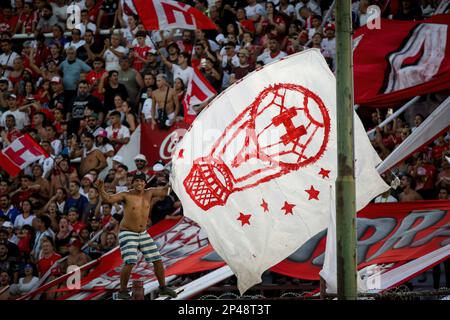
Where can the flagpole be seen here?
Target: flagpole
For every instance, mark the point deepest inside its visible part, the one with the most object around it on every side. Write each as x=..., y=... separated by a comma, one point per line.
x=345, y=182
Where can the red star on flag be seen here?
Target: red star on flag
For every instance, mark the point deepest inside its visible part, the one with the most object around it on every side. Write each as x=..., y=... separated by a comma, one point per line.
x=324, y=173
x=313, y=194
x=265, y=206
x=288, y=208
x=244, y=218
x=180, y=154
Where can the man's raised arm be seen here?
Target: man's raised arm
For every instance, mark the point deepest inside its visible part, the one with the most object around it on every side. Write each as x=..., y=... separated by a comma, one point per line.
x=106, y=197
x=160, y=192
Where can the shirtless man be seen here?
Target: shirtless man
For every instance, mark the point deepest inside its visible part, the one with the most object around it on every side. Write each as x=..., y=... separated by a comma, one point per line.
x=408, y=194
x=133, y=235
x=76, y=257
x=91, y=158
x=172, y=105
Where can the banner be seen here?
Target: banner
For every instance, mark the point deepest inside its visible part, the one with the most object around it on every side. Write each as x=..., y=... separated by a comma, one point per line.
x=391, y=233
x=256, y=167
x=20, y=153
x=167, y=14
x=386, y=233
x=159, y=144
x=413, y=60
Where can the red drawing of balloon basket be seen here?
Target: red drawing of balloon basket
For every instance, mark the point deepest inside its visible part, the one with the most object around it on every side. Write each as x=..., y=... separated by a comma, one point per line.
x=286, y=128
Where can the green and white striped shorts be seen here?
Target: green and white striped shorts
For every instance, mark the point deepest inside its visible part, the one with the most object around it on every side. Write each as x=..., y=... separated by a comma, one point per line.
x=130, y=242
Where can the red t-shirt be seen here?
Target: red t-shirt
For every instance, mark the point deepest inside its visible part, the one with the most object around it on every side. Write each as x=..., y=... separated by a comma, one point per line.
x=105, y=220
x=249, y=26
x=437, y=151
x=185, y=47
x=141, y=52
x=46, y=263
x=8, y=25
x=27, y=21
x=93, y=78
x=78, y=226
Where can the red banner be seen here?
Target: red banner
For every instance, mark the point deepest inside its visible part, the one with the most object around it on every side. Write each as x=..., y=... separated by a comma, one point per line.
x=401, y=60
x=387, y=233
x=158, y=144
x=168, y=14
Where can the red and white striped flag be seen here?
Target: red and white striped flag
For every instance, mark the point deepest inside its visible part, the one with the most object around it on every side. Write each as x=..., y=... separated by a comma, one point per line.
x=167, y=14
x=20, y=153
x=198, y=91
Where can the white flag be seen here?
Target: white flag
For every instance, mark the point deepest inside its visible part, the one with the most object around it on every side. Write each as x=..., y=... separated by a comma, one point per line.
x=255, y=168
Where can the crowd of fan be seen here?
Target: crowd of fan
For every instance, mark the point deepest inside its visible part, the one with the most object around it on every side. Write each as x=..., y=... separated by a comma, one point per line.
x=82, y=96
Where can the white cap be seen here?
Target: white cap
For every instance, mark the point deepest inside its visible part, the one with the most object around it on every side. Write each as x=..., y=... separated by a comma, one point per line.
x=56, y=79
x=220, y=38
x=7, y=224
x=140, y=157
x=117, y=158
x=158, y=167
x=90, y=177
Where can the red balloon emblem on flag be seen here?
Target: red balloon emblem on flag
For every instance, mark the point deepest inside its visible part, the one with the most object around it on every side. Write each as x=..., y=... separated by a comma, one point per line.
x=285, y=129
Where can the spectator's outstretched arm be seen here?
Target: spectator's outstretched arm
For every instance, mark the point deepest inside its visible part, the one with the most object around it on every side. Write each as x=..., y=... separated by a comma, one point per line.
x=99, y=19
x=102, y=161
x=101, y=84
x=160, y=193
x=106, y=197
x=166, y=62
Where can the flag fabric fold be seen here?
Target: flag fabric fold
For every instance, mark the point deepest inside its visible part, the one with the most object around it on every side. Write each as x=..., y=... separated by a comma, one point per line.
x=198, y=91
x=255, y=168
x=168, y=14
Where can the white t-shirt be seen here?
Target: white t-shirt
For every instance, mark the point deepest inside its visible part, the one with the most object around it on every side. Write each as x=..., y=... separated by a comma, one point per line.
x=147, y=108
x=22, y=118
x=380, y=199
x=29, y=286
x=75, y=44
x=251, y=11
x=57, y=146
x=89, y=26
x=21, y=221
x=267, y=58
x=186, y=75
x=290, y=11
x=8, y=59
x=329, y=47
x=106, y=148
x=312, y=5
x=60, y=12
x=111, y=60
x=121, y=133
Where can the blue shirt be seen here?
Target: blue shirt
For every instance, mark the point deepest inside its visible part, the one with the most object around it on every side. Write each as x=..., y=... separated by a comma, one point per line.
x=72, y=73
x=11, y=213
x=79, y=203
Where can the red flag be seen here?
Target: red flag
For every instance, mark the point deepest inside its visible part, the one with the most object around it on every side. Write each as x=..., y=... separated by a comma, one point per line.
x=413, y=60
x=167, y=14
x=20, y=153
x=198, y=91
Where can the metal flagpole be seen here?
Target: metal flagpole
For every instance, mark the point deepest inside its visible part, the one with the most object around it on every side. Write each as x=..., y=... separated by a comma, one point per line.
x=345, y=182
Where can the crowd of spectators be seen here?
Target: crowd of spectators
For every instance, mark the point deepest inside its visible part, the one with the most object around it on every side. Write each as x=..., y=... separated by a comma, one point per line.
x=81, y=95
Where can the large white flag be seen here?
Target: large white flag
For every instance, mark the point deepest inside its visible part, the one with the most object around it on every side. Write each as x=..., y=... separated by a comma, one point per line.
x=255, y=168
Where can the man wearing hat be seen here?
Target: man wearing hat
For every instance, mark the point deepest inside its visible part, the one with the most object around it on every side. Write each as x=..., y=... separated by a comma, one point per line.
x=141, y=166
x=76, y=257
x=133, y=234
